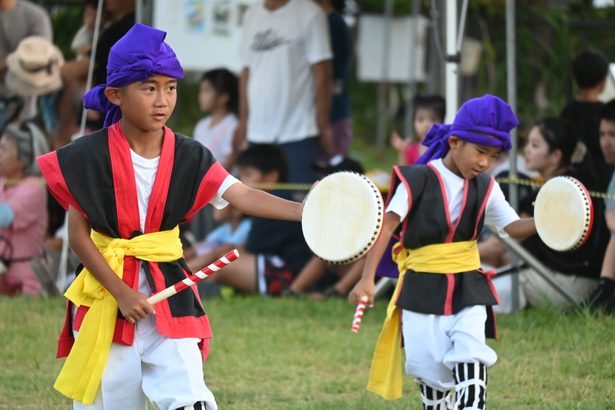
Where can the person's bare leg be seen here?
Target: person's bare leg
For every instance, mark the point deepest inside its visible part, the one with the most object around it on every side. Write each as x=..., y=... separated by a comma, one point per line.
x=313, y=270
x=240, y=275
x=350, y=277
x=199, y=262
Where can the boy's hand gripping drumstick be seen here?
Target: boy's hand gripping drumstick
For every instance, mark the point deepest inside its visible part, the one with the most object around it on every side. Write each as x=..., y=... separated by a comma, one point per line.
x=196, y=277
x=358, y=314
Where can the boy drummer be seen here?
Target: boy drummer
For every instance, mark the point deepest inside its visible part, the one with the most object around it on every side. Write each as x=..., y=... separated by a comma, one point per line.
x=442, y=300
x=126, y=189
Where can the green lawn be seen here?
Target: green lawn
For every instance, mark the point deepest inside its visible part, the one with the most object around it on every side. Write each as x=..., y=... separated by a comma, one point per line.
x=299, y=354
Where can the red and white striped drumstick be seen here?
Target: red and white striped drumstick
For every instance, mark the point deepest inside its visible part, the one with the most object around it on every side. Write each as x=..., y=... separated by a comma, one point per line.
x=358, y=314
x=196, y=277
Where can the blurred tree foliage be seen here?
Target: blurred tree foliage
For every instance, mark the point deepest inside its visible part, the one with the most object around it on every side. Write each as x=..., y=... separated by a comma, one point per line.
x=549, y=34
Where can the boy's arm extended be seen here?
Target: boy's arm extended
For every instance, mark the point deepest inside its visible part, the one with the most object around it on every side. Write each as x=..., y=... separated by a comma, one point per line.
x=365, y=286
x=131, y=303
x=262, y=204
x=521, y=228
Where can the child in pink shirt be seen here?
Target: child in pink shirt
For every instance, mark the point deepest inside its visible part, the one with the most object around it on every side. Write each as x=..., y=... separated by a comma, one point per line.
x=428, y=110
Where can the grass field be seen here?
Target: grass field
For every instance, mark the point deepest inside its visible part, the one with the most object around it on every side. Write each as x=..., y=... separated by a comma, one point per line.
x=300, y=354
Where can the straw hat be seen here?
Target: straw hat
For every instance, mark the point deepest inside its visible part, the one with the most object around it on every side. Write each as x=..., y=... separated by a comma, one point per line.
x=34, y=67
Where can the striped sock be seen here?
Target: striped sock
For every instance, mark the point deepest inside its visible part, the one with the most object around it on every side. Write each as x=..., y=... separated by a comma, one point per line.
x=199, y=405
x=471, y=386
x=434, y=399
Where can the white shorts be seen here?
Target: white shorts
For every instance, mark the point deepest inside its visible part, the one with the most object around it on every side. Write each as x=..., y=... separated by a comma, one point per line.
x=539, y=291
x=167, y=372
x=435, y=343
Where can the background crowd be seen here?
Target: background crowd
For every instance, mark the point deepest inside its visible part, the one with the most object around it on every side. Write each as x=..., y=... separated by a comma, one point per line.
x=284, y=117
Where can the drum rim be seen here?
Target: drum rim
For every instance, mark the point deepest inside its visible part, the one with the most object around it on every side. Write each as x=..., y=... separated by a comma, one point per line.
x=589, y=215
x=379, y=221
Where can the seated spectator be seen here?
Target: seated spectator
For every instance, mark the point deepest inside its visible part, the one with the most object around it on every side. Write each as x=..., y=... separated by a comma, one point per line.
x=231, y=233
x=20, y=19
x=23, y=219
x=318, y=276
x=550, y=151
x=589, y=70
x=275, y=251
x=325, y=281
x=34, y=71
x=603, y=298
x=219, y=97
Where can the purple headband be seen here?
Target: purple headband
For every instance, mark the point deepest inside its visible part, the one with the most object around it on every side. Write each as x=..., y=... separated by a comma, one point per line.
x=135, y=57
x=485, y=120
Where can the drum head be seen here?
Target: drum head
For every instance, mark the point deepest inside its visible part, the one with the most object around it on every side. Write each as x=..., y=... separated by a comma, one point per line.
x=563, y=213
x=342, y=217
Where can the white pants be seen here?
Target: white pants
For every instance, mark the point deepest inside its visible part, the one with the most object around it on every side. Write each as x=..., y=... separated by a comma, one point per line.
x=538, y=291
x=435, y=343
x=168, y=372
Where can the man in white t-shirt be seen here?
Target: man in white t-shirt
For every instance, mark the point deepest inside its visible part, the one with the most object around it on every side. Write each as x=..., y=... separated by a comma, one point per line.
x=285, y=82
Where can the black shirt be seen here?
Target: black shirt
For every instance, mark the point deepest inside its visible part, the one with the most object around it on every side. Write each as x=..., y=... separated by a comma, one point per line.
x=585, y=117
x=107, y=39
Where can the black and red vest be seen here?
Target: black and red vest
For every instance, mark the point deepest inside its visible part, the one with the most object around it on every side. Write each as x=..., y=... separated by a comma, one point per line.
x=429, y=222
x=95, y=175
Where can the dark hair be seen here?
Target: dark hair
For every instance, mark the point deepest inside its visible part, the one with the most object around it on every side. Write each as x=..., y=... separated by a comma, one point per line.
x=339, y=5
x=265, y=158
x=435, y=103
x=224, y=82
x=607, y=112
x=559, y=134
x=589, y=68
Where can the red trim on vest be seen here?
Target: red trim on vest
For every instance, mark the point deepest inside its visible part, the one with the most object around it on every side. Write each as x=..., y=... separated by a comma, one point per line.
x=399, y=175
x=66, y=339
x=50, y=168
x=450, y=288
x=124, y=185
x=160, y=190
x=210, y=184
x=483, y=207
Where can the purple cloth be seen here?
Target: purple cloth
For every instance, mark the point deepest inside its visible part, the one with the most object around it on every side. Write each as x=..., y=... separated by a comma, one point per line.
x=140, y=54
x=387, y=267
x=485, y=120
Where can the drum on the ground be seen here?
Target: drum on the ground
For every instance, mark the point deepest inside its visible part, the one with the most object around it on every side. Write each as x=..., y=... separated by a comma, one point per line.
x=563, y=213
x=342, y=217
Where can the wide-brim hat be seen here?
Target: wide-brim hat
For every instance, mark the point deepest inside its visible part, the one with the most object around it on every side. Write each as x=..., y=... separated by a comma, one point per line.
x=34, y=67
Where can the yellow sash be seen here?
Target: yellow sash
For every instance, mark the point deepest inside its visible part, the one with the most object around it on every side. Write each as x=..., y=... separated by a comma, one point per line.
x=82, y=372
x=386, y=373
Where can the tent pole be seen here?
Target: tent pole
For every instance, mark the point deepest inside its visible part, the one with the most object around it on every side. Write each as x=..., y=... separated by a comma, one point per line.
x=451, y=73
x=511, y=85
x=382, y=88
x=411, y=86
